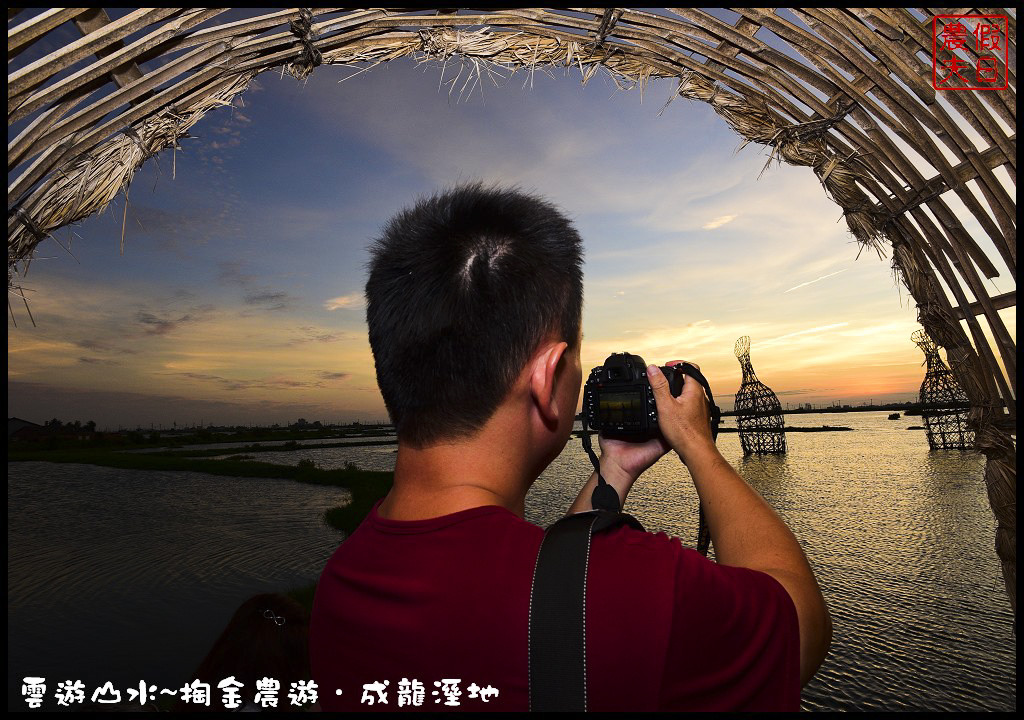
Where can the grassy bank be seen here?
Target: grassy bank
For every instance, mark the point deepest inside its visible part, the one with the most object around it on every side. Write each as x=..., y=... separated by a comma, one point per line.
x=366, y=487
x=249, y=449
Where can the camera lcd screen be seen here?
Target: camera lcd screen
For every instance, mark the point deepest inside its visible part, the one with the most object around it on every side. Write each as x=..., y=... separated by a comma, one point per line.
x=619, y=407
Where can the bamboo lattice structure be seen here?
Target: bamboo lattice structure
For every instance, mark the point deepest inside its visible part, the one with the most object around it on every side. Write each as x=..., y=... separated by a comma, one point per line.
x=759, y=412
x=845, y=92
x=944, y=404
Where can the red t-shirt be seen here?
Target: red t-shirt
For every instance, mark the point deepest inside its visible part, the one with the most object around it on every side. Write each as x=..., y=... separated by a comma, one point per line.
x=414, y=603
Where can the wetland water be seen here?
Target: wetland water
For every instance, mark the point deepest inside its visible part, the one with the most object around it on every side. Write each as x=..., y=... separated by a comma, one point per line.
x=119, y=574
x=124, y=575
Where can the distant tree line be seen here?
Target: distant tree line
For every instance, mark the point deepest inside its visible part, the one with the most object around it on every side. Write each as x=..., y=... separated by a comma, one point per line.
x=56, y=425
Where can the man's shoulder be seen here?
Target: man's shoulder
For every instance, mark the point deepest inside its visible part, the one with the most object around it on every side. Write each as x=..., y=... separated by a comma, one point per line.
x=485, y=534
x=654, y=597
x=664, y=560
x=628, y=544
x=636, y=564
x=480, y=519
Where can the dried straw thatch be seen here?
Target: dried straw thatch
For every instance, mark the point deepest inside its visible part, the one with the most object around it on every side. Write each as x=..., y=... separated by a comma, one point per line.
x=845, y=92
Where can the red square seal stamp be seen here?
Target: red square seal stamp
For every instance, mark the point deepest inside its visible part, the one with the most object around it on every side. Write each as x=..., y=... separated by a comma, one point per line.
x=970, y=52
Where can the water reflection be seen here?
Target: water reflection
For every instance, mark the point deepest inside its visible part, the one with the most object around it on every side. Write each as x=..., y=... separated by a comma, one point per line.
x=770, y=475
x=901, y=540
x=123, y=575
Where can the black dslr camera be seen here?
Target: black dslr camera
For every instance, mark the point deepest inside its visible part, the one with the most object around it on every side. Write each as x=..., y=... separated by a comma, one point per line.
x=618, y=401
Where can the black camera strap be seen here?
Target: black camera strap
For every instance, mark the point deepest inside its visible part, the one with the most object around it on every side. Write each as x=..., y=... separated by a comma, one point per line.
x=558, y=618
x=604, y=497
x=558, y=597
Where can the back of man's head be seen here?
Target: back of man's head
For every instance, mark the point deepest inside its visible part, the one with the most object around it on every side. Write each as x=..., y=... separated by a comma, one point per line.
x=462, y=289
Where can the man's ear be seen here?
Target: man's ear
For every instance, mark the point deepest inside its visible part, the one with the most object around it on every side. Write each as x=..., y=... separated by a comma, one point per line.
x=544, y=379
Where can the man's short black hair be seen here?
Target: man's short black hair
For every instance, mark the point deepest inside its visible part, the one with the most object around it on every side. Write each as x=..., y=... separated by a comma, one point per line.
x=462, y=289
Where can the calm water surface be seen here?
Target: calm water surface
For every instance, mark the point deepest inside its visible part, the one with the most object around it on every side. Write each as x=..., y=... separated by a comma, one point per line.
x=124, y=575
x=276, y=443
x=901, y=540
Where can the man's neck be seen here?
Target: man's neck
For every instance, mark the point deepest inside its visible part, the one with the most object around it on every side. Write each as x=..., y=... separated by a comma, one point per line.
x=489, y=468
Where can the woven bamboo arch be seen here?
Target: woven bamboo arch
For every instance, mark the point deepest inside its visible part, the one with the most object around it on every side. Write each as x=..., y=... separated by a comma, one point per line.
x=845, y=92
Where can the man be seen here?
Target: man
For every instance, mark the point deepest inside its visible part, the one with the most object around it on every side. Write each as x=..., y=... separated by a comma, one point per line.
x=474, y=306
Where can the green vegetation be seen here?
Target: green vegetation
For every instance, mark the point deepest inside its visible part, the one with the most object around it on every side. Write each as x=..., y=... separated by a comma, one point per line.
x=249, y=449
x=366, y=487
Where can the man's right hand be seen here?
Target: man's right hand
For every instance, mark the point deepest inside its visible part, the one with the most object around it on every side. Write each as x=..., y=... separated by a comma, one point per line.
x=745, y=530
x=683, y=420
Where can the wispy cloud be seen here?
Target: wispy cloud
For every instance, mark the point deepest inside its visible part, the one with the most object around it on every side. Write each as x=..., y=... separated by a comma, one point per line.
x=311, y=334
x=98, y=361
x=161, y=325
x=260, y=298
x=155, y=325
x=259, y=383
x=719, y=222
x=811, y=282
x=344, y=301
x=96, y=346
x=324, y=375
x=803, y=391
x=208, y=218
x=230, y=126
x=808, y=331
x=229, y=143
x=232, y=272
x=269, y=300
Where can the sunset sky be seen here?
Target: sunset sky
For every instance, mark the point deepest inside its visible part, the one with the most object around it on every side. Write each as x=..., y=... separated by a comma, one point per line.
x=239, y=295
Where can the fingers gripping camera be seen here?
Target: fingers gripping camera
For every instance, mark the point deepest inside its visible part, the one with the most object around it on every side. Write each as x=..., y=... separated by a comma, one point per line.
x=618, y=401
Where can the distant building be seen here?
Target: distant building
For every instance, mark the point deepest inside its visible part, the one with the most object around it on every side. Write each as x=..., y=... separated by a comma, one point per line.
x=24, y=430
x=807, y=406
x=16, y=427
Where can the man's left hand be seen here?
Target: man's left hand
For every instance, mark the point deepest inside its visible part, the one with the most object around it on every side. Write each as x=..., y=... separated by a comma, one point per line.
x=622, y=462
x=630, y=458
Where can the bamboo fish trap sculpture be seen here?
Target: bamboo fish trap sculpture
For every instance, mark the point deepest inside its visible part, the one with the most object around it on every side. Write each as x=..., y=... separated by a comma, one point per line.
x=760, y=419
x=944, y=404
x=847, y=93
